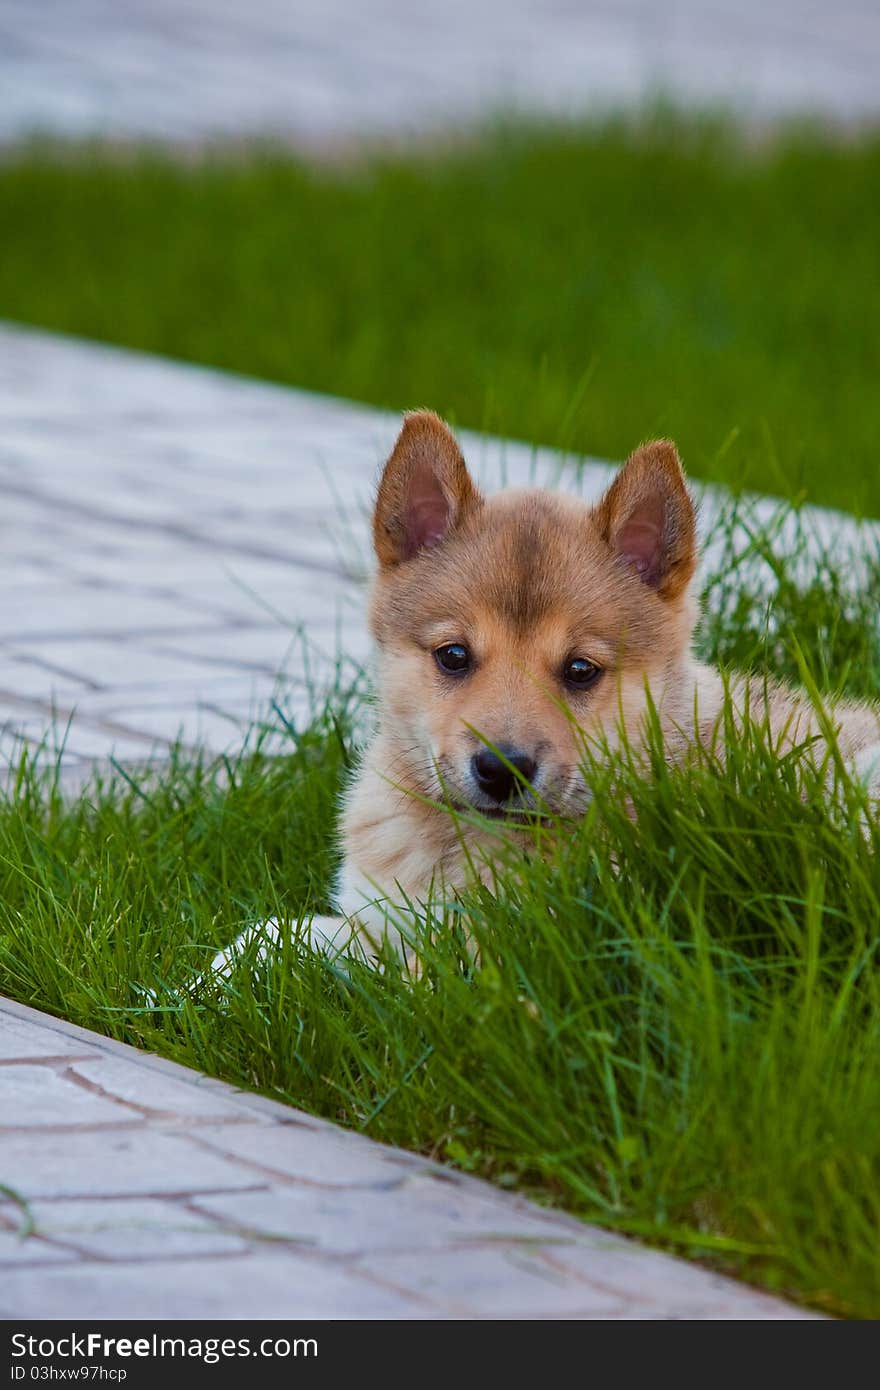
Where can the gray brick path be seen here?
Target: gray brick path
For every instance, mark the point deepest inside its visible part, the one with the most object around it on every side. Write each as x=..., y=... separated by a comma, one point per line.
x=327, y=71
x=145, y=1190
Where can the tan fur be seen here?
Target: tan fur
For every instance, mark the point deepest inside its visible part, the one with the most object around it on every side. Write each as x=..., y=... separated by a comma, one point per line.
x=526, y=579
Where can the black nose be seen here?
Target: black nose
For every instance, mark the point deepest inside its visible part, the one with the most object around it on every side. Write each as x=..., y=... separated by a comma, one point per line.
x=495, y=776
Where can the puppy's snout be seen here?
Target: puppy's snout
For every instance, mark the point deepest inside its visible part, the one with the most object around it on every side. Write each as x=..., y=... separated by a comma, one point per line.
x=495, y=775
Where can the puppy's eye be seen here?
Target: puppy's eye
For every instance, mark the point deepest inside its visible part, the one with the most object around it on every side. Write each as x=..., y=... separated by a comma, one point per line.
x=453, y=658
x=580, y=672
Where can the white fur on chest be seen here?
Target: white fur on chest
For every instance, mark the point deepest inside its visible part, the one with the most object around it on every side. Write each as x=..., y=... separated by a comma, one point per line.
x=866, y=766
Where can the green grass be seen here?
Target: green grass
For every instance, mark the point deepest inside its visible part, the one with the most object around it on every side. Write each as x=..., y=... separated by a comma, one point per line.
x=674, y=1026
x=583, y=287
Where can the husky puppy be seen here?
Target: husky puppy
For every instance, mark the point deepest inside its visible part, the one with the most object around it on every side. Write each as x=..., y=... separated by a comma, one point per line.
x=508, y=628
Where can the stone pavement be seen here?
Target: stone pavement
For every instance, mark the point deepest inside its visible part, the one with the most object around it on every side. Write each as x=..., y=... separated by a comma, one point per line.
x=324, y=72
x=132, y=1187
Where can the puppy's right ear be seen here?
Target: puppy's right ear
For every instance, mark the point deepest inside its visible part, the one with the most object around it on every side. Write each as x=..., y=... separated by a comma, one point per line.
x=425, y=492
x=647, y=518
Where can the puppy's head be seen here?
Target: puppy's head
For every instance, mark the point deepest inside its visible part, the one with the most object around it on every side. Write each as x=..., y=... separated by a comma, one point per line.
x=506, y=624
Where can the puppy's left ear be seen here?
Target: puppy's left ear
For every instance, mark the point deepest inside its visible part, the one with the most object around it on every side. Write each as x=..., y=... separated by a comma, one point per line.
x=425, y=493
x=648, y=520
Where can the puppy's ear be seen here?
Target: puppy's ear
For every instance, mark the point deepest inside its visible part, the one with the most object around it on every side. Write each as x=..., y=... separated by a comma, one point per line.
x=425, y=492
x=647, y=518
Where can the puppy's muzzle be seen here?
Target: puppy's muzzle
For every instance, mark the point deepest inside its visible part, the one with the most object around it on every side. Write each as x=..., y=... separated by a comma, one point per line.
x=498, y=774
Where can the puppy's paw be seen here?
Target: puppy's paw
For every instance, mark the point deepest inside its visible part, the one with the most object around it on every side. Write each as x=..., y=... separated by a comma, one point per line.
x=268, y=934
x=333, y=937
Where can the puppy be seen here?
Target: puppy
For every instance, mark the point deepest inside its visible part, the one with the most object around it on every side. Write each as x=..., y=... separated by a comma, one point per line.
x=509, y=628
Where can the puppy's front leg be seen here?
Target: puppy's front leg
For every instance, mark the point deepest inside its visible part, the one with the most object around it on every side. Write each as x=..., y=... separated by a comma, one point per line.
x=867, y=768
x=364, y=923
x=323, y=933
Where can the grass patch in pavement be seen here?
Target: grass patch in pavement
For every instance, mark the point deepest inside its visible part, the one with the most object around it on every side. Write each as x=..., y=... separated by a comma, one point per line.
x=674, y=1027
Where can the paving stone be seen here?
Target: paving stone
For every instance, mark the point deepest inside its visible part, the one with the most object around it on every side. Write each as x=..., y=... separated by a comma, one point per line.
x=33, y=1097
x=739, y=1308
x=195, y=727
x=121, y=704
x=69, y=1040
x=229, y=1288
x=22, y=677
x=22, y=1038
x=509, y=1281
x=111, y=1163
x=275, y=648
x=421, y=1214
x=255, y=536
x=16, y=1250
x=109, y=663
x=160, y=1093
x=292, y=602
x=132, y=1230
x=60, y=729
x=264, y=1106
x=652, y=1280
x=88, y=612
x=309, y=1156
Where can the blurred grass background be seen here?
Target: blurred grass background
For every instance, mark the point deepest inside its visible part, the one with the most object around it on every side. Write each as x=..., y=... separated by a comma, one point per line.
x=581, y=286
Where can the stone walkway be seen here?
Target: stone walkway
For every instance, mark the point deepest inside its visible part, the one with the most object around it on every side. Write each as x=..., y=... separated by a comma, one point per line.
x=146, y=1191
x=324, y=72
x=165, y=529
